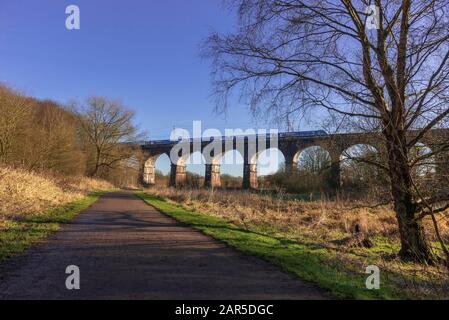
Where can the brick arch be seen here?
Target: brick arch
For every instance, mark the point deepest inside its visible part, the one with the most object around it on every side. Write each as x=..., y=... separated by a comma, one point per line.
x=213, y=170
x=423, y=149
x=352, y=145
x=149, y=169
x=217, y=158
x=298, y=154
x=256, y=157
x=433, y=141
x=345, y=157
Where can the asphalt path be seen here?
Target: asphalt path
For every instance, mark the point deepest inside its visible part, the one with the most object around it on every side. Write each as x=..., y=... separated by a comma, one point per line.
x=126, y=249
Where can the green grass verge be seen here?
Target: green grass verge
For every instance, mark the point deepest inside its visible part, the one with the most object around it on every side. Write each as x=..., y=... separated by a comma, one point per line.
x=18, y=234
x=309, y=261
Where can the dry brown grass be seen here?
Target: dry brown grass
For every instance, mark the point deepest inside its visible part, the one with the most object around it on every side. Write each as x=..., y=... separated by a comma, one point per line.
x=322, y=224
x=23, y=192
x=327, y=219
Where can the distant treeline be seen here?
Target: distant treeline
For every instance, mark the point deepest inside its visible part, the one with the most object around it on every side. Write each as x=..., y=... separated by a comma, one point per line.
x=82, y=140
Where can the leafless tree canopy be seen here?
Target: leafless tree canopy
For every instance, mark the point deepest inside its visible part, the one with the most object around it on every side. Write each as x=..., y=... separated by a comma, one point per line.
x=106, y=126
x=320, y=53
x=45, y=136
x=299, y=55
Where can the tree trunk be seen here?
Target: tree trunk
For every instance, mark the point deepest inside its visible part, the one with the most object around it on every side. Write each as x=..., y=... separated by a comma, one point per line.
x=94, y=172
x=414, y=246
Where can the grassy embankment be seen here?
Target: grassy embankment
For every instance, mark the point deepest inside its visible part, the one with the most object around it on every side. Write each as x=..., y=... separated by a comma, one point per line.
x=311, y=256
x=33, y=205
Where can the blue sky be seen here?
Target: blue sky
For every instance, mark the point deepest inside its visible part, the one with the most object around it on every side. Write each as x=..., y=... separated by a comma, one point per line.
x=143, y=52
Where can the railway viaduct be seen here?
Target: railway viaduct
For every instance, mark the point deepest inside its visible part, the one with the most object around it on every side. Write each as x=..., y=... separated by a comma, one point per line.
x=290, y=144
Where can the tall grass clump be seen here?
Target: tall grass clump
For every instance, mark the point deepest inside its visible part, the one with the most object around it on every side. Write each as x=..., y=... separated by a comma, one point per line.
x=23, y=192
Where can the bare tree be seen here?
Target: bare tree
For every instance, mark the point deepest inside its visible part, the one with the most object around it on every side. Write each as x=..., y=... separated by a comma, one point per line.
x=315, y=160
x=15, y=114
x=106, y=127
x=52, y=143
x=382, y=65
